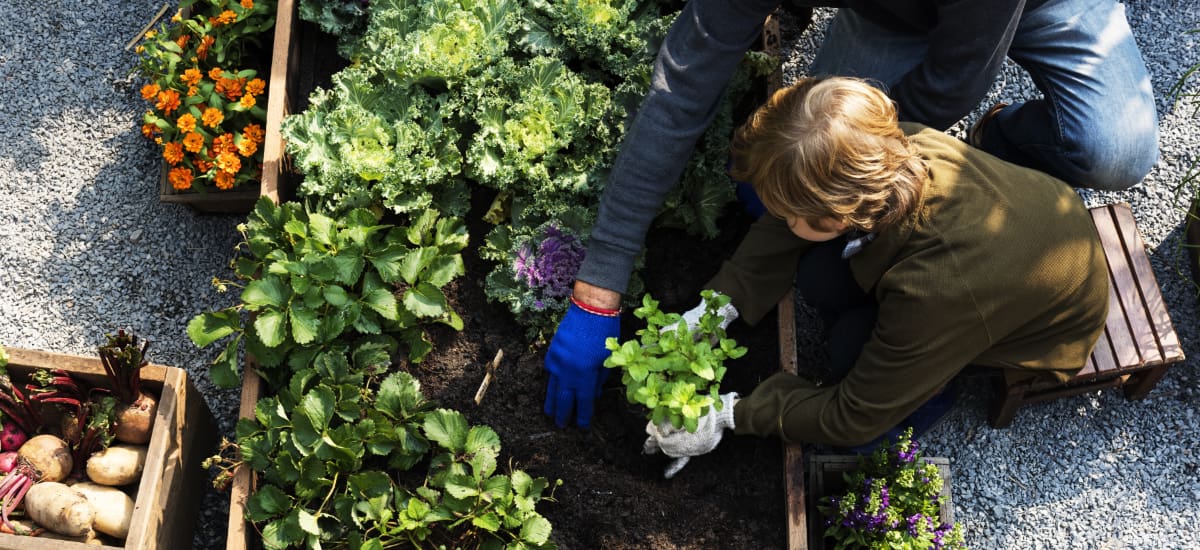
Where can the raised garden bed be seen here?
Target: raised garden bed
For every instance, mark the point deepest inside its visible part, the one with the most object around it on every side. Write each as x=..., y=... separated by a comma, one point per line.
x=1191, y=241
x=165, y=506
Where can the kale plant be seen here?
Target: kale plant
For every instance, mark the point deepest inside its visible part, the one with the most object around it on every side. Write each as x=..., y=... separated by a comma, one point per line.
x=537, y=272
x=671, y=368
x=345, y=19
x=312, y=280
x=337, y=452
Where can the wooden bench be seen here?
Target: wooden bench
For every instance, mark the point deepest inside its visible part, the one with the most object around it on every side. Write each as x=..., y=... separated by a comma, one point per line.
x=1138, y=343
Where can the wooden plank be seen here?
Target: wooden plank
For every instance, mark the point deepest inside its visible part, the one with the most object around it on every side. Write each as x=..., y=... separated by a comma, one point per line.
x=1152, y=299
x=243, y=484
x=1122, y=291
x=793, y=455
x=277, y=99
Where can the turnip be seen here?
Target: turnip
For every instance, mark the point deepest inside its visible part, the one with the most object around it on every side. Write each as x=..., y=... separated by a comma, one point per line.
x=42, y=458
x=114, y=508
x=12, y=436
x=59, y=508
x=87, y=423
x=123, y=360
x=117, y=465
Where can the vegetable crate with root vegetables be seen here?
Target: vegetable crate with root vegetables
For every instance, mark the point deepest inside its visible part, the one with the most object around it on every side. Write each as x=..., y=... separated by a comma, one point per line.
x=77, y=481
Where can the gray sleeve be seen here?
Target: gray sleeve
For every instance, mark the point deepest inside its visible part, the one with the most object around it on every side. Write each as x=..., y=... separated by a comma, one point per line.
x=693, y=67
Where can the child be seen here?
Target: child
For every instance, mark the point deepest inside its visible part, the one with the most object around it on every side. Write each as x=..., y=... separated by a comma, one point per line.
x=922, y=254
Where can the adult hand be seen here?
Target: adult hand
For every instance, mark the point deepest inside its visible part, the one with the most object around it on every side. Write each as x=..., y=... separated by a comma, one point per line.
x=575, y=362
x=681, y=445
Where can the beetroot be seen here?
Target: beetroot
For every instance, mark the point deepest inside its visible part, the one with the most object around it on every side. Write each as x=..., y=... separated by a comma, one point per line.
x=12, y=437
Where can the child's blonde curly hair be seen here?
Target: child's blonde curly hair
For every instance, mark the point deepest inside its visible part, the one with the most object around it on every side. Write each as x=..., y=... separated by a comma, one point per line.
x=830, y=149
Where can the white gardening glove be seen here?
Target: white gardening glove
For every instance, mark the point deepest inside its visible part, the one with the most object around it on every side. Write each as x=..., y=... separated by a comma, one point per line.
x=727, y=312
x=681, y=444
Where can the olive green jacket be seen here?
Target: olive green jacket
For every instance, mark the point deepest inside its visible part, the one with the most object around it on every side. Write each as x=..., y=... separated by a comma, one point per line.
x=998, y=266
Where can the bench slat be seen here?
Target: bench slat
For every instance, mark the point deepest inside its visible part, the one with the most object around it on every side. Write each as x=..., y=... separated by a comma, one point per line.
x=1164, y=331
x=1123, y=294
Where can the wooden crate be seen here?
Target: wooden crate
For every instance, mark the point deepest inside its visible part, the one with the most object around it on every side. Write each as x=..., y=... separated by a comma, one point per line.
x=166, y=505
x=825, y=478
x=274, y=166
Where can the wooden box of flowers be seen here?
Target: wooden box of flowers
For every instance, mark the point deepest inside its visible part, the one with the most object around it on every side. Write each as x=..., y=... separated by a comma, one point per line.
x=216, y=81
x=892, y=498
x=99, y=452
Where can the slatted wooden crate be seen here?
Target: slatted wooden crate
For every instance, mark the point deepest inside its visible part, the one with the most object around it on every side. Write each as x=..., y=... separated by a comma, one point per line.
x=165, y=504
x=1139, y=341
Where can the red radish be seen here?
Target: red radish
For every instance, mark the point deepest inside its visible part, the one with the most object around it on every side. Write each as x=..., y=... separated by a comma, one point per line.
x=8, y=461
x=12, y=436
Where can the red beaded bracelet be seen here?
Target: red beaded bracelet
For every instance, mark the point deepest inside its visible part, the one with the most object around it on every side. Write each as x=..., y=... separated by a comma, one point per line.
x=596, y=310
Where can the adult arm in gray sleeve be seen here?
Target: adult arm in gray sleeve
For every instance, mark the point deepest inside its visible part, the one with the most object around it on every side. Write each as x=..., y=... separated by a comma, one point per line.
x=695, y=63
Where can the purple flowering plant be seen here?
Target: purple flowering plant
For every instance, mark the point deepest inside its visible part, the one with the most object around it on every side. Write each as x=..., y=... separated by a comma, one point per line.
x=892, y=501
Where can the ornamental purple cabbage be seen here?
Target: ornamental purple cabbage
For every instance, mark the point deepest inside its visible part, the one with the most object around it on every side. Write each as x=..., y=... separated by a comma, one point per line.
x=552, y=267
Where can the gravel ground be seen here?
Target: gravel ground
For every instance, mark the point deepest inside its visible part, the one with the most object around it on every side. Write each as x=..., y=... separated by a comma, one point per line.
x=1097, y=470
x=87, y=248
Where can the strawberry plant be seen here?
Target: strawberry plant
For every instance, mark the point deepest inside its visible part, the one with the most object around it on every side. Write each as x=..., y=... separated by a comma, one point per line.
x=675, y=370
x=311, y=279
x=337, y=452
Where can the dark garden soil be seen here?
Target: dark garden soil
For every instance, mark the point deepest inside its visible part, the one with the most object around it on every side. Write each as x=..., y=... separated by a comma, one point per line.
x=612, y=496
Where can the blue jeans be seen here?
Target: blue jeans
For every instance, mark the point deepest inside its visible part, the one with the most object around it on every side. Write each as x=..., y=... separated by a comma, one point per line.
x=1095, y=125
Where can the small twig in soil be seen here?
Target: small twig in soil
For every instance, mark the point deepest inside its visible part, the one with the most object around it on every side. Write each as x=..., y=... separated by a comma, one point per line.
x=487, y=378
x=141, y=33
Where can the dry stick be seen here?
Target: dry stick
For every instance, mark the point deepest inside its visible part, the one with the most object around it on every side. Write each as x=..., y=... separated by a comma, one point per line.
x=487, y=378
x=142, y=32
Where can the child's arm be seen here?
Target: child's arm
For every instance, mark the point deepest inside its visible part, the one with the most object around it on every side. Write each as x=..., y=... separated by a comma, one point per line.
x=762, y=269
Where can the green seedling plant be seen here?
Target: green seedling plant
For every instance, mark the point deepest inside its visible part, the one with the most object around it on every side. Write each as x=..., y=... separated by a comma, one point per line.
x=673, y=369
x=311, y=279
x=349, y=455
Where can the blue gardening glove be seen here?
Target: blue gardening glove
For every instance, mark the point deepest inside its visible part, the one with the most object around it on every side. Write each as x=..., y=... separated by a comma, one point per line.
x=575, y=362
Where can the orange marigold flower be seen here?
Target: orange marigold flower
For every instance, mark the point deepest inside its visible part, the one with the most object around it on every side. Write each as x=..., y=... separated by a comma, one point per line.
x=247, y=148
x=173, y=152
x=223, y=144
x=193, y=90
x=205, y=44
x=247, y=4
x=202, y=165
x=226, y=17
x=186, y=123
x=229, y=162
x=212, y=117
x=168, y=100
x=180, y=178
x=182, y=40
x=230, y=87
x=149, y=91
x=151, y=34
x=256, y=86
x=247, y=101
x=192, y=76
x=216, y=73
x=224, y=180
x=149, y=130
x=253, y=132
x=193, y=142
